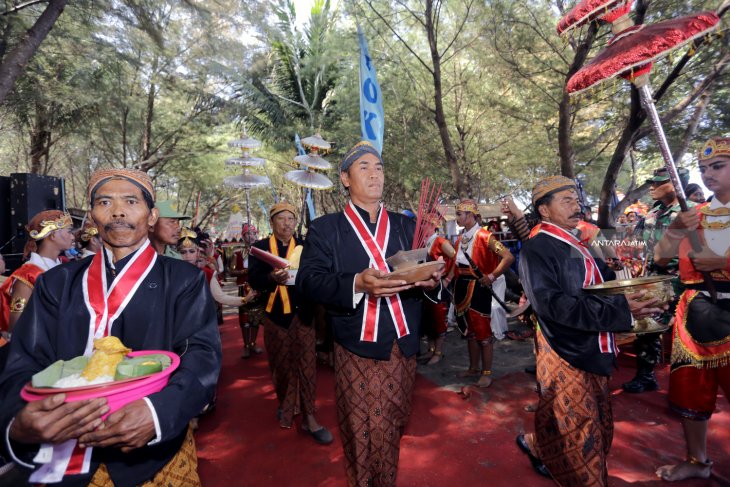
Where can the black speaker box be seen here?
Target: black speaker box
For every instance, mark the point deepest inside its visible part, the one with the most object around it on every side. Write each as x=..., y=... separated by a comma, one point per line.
x=6, y=229
x=29, y=195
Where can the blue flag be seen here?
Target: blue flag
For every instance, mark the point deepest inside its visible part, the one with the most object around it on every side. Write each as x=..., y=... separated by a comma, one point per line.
x=298, y=145
x=372, y=118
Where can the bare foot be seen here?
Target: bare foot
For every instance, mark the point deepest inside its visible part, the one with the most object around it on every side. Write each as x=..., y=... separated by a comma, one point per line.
x=435, y=358
x=468, y=373
x=484, y=381
x=684, y=470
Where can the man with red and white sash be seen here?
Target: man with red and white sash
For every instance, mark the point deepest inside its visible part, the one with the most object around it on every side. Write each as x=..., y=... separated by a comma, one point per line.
x=149, y=302
x=289, y=335
x=575, y=346
x=472, y=297
x=375, y=320
x=701, y=336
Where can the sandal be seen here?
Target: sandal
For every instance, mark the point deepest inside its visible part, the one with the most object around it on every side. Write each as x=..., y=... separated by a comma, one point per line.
x=537, y=464
x=482, y=382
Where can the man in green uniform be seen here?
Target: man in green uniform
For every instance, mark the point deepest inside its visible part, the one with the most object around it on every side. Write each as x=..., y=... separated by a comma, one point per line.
x=648, y=345
x=166, y=232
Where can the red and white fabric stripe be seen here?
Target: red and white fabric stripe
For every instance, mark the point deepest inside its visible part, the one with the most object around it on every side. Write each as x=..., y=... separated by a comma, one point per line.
x=104, y=306
x=375, y=248
x=606, y=342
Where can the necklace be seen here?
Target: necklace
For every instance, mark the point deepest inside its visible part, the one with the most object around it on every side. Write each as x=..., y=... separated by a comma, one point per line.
x=715, y=225
x=722, y=211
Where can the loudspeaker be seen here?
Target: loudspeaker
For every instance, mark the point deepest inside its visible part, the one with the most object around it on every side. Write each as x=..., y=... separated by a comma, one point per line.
x=5, y=227
x=29, y=195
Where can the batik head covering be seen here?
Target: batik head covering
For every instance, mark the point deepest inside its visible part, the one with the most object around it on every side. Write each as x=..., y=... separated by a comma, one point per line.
x=357, y=151
x=282, y=206
x=138, y=178
x=551, y=185
x=715, y=147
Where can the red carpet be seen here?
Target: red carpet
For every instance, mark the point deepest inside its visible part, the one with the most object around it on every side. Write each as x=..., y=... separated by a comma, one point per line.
x=449, y=441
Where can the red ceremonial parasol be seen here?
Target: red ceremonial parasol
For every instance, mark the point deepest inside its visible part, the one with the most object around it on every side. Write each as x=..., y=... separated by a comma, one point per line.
x=630, y=55
x=589, y=10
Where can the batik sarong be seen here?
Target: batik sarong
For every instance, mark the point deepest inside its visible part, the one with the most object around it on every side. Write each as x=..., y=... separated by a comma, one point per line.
x=573, y=422
x=373, y=406
x=180, y=471
x=293, y=366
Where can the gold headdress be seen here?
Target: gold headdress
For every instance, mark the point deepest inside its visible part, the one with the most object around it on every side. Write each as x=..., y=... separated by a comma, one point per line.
x=50, y=221
x=88, y=233
x=468, y=205
x=187, y=238
x=715, y=147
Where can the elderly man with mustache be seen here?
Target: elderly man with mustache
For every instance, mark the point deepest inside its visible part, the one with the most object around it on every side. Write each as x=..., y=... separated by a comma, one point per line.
x=149, y=302
x=576, y=352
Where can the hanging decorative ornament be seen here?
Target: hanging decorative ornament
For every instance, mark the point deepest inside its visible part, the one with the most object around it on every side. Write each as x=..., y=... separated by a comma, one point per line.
x=314, y=161
x=589, y=10
x=245, y=142
x=246, y=180
x=316, y=142
x=309, y=179
x=630, y=54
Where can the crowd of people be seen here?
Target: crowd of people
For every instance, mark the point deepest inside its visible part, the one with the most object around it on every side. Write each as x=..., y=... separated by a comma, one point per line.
x=141, y=276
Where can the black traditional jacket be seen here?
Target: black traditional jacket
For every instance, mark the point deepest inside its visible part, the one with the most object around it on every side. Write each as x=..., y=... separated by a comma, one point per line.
x=172, y=310
x=259, y=278
x=571, y=320
x=332, y=256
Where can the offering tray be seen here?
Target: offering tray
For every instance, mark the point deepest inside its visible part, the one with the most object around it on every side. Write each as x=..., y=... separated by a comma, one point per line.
x=118, y=393
x=651, y=284
x=407, y=258
x=416, y=272
x=659, y=287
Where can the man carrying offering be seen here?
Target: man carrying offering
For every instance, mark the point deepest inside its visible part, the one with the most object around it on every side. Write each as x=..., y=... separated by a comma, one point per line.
x=576, y=351
x=375, y=319
x=149, y=302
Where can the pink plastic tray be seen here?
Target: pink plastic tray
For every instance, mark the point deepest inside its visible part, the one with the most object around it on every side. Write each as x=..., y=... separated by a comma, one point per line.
x=118, y=393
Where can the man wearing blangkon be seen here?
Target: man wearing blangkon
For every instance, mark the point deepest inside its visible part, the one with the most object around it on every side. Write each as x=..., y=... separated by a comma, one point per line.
x=575, y=347
x=149, y=302
x=375, y=320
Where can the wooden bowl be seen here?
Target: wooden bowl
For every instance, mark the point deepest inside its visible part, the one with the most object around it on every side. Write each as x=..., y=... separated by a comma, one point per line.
x=419, y=272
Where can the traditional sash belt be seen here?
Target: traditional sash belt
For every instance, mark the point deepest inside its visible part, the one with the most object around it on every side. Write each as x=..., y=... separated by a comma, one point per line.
x=105, y=305
x=375, y=248
x=606, y=342
x=280, y=290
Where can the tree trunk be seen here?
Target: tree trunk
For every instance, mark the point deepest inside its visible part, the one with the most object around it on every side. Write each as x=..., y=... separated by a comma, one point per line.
x=40, y=136
x=13, y=65
x=147, y=137
x=694, y=122
x=636, y=118
x=460, y=186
